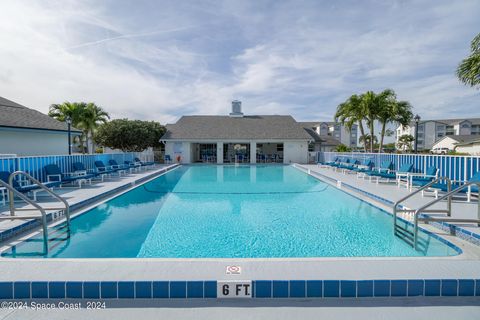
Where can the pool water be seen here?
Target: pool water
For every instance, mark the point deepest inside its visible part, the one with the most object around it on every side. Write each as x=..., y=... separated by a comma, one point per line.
x=209, y=211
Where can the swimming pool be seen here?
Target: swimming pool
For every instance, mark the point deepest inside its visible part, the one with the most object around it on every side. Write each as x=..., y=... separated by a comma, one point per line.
x=210, y=211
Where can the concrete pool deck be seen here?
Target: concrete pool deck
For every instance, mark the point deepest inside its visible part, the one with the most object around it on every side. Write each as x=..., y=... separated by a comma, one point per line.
x=463, y=266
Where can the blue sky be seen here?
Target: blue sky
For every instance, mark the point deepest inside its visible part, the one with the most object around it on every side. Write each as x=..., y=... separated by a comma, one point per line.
x=159, y=60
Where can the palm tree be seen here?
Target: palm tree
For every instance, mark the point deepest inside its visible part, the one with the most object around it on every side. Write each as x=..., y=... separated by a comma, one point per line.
x=92, y=117
x=64, y=110
x=405, y=142
x=390, y=110
x=370, y=107
x=351, y=112
x=85, y=116
x=366, y=140
x=468, y=71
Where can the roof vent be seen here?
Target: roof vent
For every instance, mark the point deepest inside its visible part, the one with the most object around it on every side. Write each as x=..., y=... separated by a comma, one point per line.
x=236, y=109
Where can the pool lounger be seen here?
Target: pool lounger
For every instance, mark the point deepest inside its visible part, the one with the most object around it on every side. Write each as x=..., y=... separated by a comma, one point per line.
x=30, y=188
x=119, y=167
x=392, y=176
x=106, y=170
x=145, y=164
x=436, y=188
x=384, y=168
x=55, y=174
x=409, y=179
x=79, y=168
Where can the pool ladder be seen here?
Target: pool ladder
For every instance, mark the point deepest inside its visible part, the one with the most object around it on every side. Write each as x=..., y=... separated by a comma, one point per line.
x=411, y=237
x=12, y=192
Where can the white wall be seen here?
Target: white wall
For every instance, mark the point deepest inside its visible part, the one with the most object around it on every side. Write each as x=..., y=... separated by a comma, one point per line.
x=472, y=149
x=33, y=142
x=295, y=152
x=182, y=149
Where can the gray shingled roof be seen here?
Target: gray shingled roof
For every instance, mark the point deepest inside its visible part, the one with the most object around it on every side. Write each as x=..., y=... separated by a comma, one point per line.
x=463, y=138
x=15, y=115
x=231, y=128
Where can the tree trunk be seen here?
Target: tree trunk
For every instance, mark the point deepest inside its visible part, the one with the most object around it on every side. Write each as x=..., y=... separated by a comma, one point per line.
x=382, y=134
x=92, y=142
x=372, y=135
x=362, y=132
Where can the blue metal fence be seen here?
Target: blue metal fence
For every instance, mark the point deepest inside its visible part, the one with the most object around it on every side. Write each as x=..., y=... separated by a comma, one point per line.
x=453, y=167
x=34, y=165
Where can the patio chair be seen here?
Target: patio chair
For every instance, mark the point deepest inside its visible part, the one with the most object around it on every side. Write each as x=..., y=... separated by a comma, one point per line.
x=132, y=165
x=363, y=167
x=146, y=164
x=30, y=188
x=349, y=167
x=167, y=159
x=469, y=191
x=55, y=174
x=411, y=179
x=79, y=168
x=388, y=176
x=106, y=170
x=120, y=167
x=384, y=168
x=343, y=163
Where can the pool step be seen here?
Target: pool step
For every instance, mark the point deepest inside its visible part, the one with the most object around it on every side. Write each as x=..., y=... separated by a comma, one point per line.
x=408, y=236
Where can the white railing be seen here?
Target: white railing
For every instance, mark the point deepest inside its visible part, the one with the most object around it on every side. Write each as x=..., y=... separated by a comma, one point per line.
x=453, y=167
x=34, y=165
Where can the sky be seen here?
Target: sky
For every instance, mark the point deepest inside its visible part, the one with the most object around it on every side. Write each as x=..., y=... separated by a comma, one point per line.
x=159, y=60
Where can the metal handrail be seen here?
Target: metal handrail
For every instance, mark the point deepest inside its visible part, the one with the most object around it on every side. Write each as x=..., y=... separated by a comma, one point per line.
x=43, y=187
x=411, y=194
x=449, y=196
x=448, y=211
x=12, y=192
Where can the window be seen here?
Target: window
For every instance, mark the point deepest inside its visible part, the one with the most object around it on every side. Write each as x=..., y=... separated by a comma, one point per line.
x=280, y=146
x=311, y=147
x=440, y=134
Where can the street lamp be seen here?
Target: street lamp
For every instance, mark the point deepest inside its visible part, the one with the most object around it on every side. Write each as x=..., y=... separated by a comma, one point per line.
x=69, y=127
x=417, y=119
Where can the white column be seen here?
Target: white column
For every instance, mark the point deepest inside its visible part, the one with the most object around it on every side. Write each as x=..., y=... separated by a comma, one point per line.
x=253, y=152
x=219, y=152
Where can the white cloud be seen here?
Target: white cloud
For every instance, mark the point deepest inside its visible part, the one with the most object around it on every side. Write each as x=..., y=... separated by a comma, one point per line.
x=193, y=58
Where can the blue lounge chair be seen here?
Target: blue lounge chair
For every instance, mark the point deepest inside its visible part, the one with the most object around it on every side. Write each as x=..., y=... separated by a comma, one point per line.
x=387, y=176
x=365, y=166
x=79, y=168
x=167, y=159
x=384, y=168
x=103, y=169
x=329, y=163
x=55, y=174
x=345, y=162
x=31, y=188
x=443, y=187
x=119, y=167
x=349, y=167
x=145, y=164
x=132, y=165
x=338, y=163
x=418, y=179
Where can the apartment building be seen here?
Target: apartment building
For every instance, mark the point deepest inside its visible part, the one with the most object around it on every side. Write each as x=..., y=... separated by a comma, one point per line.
x=336, y=131
x=430, y=131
